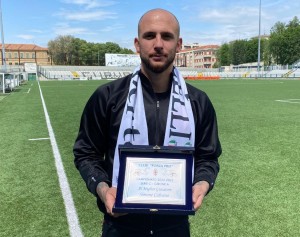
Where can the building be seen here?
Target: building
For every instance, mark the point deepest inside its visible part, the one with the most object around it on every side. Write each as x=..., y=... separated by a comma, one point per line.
x=190, y=46
x=18, y=54
x=199, y=57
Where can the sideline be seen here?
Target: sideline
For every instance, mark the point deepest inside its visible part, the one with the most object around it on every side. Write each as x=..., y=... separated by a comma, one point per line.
x=73, y=222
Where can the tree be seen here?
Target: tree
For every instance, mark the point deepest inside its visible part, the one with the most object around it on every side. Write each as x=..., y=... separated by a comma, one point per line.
x=60, y=49
x=239, y=52
x=293, y=39
x=276, y=44
x=67, y=50
x=284, y=45
x=252, y=50
x=223, y=55
x=267, y=59
x=78, y=46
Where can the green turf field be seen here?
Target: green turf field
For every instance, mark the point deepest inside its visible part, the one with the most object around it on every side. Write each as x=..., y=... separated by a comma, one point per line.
x=257, y=192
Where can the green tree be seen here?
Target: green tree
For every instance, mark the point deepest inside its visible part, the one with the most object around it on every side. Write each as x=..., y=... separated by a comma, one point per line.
x=252, y=50
x=239, y=52
x=284, y=45
x=267, y=59
x=223, y=57
x=293, y=38
x=67, y=50
x=78, y=46
x=276, y=44
x=60, y=49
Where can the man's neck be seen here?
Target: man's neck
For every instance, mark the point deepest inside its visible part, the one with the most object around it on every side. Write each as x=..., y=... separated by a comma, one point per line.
x=159, y=81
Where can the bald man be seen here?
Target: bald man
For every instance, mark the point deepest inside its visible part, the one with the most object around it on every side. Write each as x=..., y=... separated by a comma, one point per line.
x=148, y=92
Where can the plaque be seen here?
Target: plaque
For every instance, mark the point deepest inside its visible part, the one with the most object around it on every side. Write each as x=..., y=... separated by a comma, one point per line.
x=155, y=180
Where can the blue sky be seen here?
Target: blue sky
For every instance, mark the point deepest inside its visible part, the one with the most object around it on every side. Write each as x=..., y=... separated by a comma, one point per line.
x=99, y=21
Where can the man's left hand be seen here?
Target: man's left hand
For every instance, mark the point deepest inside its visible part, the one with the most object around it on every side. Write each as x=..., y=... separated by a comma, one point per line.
x=199, y=191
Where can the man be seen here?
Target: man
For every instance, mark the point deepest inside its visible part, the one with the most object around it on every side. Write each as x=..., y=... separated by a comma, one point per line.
x=141, y=100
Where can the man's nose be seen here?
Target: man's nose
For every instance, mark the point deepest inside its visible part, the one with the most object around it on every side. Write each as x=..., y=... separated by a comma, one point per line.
x=158, y=42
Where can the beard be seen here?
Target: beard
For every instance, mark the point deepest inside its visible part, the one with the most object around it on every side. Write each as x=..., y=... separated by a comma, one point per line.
x=157, y=68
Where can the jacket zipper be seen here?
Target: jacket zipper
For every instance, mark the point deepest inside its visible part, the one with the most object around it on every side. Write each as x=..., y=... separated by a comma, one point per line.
x=157, y=122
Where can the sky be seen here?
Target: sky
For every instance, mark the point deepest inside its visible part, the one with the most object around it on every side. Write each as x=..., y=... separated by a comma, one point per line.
x=99, y=21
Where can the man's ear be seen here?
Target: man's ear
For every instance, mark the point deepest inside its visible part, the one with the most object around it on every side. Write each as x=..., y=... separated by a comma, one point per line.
x=137, y=45
x=179, y=45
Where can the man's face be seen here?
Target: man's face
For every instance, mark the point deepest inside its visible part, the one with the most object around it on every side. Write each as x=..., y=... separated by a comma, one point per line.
x=158, y=41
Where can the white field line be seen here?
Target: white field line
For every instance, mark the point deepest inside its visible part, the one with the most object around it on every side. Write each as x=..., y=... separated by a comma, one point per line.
x=39, y=139
x=28, y=91
x=2, y=97
x=291, y=101
x=74, y=226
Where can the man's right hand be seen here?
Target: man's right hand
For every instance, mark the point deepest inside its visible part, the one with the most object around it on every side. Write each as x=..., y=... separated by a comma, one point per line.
x=108, y=197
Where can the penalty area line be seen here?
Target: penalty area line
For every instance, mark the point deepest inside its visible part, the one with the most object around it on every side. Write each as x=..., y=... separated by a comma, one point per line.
x=72, y=218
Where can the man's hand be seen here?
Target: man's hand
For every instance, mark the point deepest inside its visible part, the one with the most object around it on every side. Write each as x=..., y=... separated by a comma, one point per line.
x=199, y=191
x=108, y=197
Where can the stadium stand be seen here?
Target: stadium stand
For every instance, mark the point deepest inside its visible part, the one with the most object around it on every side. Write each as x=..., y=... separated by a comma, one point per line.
x=276, y=73
x=109, y=72
x=94, y=73
x=82, y=72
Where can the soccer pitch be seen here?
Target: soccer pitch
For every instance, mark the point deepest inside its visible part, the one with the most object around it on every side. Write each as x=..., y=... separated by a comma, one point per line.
x=257, y=192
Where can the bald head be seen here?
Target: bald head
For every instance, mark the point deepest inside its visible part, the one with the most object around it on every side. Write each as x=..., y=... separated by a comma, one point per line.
x=159, y=14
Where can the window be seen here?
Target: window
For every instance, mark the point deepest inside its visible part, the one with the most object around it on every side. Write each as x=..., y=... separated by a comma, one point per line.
x=21, y=55
x=33, y=55
x=16, y=55
x=27, y=55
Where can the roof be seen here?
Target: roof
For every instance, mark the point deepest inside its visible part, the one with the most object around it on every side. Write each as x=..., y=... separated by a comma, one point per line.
x=204, y=47
x=24, y=47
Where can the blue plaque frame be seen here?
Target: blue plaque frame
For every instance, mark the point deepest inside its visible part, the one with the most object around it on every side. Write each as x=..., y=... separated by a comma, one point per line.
x=164, y=152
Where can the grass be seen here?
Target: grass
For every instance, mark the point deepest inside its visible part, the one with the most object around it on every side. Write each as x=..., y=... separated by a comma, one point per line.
x=257, y=190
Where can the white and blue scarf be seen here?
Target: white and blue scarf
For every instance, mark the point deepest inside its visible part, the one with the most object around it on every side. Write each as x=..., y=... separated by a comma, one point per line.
x=180, y=127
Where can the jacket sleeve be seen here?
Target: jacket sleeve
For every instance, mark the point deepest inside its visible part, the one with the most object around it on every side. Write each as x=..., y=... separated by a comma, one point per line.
x=89, y=148
x=207, y=144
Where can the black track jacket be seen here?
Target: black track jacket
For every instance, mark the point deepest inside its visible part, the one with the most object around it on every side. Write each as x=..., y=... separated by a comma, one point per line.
x=95, y=145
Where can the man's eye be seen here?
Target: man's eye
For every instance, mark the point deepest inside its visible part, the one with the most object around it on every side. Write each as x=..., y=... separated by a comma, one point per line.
x=149, y=36
x=167, y=36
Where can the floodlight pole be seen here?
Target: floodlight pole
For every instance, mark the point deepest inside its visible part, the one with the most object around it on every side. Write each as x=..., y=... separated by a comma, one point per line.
x=2, y=38
x=259, y=36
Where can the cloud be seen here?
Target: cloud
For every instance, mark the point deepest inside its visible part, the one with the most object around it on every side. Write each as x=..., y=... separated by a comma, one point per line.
x=229, y=15
x=273, y=3
x=230, y=23
x=36, y=31
x=65, y=29
x=87, y=15
x=112, y=28
x=25, y=37
x=90, y=3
